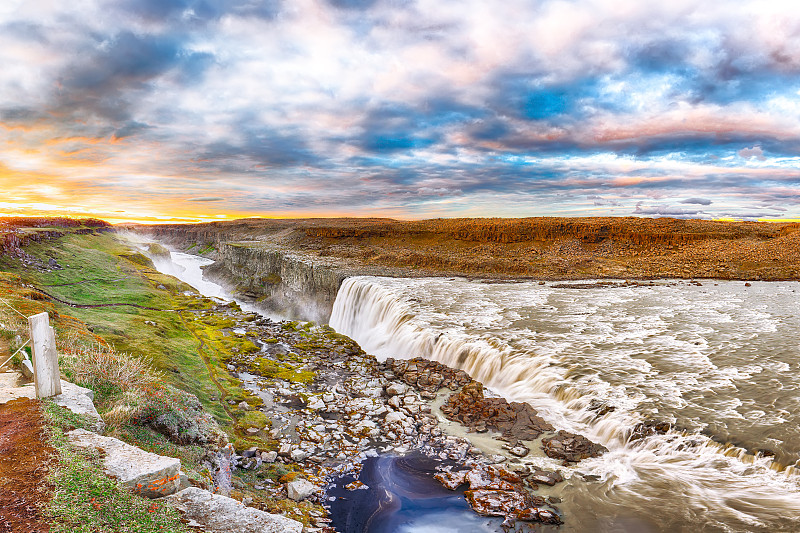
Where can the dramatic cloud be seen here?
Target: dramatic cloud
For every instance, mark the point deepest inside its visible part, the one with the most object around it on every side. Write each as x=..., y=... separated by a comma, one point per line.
x=186, y=109
x=698, y=201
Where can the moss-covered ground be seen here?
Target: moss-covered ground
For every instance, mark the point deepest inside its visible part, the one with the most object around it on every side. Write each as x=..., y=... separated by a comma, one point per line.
x=102, y=269
x=186, y=339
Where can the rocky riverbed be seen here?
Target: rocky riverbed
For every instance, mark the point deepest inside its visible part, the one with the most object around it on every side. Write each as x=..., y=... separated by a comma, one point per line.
x=320, y=406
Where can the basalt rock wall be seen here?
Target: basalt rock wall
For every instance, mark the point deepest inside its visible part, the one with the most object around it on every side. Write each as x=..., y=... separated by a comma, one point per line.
x=280, y=282
x=277, y=280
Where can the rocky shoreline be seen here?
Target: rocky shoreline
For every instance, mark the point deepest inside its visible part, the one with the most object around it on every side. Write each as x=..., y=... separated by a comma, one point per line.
x=324, y=406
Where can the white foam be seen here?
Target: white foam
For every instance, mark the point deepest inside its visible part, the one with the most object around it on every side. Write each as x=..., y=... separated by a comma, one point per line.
x=702, y=357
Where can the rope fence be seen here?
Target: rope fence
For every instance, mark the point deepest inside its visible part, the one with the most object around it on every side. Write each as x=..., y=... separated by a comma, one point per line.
x=27, y=357
x=15, y=353
x=13, y=308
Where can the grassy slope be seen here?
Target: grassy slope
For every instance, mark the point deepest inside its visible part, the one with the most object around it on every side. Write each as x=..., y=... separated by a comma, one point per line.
x=192, y=347
x=118, y=276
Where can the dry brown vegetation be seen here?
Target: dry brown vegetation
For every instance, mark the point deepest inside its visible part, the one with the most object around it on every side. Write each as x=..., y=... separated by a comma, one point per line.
x=551, y=248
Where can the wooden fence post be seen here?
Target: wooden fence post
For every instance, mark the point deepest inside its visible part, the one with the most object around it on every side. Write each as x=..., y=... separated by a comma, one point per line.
x=46, y=376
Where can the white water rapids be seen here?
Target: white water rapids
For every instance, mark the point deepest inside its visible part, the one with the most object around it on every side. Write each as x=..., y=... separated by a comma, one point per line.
x=720, y=361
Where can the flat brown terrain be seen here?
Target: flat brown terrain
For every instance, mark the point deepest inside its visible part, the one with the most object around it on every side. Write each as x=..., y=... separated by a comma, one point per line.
x=545, y=248
x=25, y=455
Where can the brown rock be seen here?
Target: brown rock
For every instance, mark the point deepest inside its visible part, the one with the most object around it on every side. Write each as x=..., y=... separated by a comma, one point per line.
x=570, y=447
x=516, y=421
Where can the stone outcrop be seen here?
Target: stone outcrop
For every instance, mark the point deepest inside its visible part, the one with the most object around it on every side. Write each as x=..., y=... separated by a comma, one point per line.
x=496, y=491
x=220, y=514
x=300, y=489
x=516, y=421
x=280, y=281
x=146, y=474
x=427, y=376
x=80, y=400
x=571, y=447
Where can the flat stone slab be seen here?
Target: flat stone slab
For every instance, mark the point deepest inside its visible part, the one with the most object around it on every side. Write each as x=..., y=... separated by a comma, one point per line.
x=80, y=401
x=220, y=514
x=11, y=390
x=146, y=474
x=77, y=399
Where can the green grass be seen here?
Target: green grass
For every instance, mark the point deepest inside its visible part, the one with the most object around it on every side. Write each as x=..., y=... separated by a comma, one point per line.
x=119, y=276
x=85, y=500
x=63, y=419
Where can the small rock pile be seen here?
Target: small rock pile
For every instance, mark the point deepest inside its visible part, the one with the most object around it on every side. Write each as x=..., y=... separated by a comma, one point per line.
x=427, y=376
x=496, y=491
x=571, y=447
x=516, y=421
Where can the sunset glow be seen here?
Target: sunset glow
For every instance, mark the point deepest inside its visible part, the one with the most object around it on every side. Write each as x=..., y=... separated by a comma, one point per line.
x=190, y=110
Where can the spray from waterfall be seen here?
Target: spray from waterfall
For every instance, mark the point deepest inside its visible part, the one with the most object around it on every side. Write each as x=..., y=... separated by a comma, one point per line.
x=487, y=331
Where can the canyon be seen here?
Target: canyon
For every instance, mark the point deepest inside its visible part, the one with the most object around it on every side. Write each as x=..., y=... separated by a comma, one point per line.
x=297, y=265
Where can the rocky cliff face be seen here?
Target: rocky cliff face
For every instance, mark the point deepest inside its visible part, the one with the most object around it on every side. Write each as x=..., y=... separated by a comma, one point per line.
x=279, y=281
x=16, y=233
x=283, y=260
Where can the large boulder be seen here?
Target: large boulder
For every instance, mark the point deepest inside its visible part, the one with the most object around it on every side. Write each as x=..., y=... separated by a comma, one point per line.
x=300, y=489
x=219, y=514
x=146, y=474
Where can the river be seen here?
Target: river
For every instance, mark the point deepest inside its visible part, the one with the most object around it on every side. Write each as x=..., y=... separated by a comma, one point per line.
x=402, y=496
x=718, y=360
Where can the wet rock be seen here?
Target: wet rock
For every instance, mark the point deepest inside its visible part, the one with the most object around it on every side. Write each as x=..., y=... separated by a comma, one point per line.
x=495, y=502
x=516, y=421
x=601, y=408
x=356, y=485
x=546, y=478
x=519, y=450
x=570, y=447
x=534, y=514
x=649, y=428
x=427, y=376
x=451, y=480
x=493, y=477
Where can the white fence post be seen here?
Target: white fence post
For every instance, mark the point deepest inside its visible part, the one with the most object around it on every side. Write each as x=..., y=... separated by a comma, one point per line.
x=46, y=376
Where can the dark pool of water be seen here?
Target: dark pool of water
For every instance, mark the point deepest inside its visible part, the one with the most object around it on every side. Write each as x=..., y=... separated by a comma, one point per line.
x=402, y=497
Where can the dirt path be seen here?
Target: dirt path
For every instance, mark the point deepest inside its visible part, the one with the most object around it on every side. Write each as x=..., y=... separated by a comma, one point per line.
x=93, y=306
x=25, y=456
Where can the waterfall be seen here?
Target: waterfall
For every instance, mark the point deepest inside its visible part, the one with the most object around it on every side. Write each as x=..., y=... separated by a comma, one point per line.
x=382, y=323
x=736, y=487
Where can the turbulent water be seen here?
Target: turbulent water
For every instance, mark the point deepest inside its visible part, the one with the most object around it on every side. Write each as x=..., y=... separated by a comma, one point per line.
x=719, y=361
x=189, y=269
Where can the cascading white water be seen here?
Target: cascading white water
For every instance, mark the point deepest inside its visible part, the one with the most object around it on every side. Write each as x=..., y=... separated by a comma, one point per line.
x=719, y=358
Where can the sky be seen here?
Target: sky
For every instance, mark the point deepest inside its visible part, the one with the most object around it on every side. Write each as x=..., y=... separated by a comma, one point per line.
x=180, y=110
